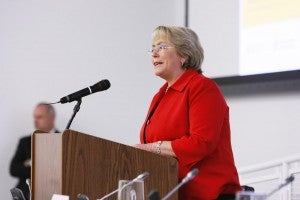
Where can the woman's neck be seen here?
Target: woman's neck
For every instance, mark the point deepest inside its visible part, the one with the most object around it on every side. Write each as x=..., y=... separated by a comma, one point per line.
x=174, y=78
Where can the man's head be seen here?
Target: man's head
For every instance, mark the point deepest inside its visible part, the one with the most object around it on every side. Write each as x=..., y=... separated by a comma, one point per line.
x=44, y=117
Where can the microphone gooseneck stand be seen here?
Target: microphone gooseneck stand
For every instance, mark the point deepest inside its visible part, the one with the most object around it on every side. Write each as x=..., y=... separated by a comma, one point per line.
x=75, y=110
x=173, y=191
x=186, y=179
x=288, y=180
x=140, y=177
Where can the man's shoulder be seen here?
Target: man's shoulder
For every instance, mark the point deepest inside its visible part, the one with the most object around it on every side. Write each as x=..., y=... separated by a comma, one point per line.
x=25, y=139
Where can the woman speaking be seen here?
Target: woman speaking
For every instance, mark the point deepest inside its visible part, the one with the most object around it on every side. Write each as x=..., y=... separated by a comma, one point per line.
x=188, y=118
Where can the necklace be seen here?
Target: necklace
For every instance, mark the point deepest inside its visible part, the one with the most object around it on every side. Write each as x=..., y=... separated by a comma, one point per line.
x=167, y=89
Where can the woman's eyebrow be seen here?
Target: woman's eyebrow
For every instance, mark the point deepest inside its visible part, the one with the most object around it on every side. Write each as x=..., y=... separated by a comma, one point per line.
x=153, y=45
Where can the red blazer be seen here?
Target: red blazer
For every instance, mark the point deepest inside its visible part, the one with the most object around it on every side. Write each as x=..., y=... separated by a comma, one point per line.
x=193, y=114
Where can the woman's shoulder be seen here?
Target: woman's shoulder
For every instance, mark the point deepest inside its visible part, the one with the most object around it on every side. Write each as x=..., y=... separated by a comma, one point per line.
x=201, y=86
x=201, y=82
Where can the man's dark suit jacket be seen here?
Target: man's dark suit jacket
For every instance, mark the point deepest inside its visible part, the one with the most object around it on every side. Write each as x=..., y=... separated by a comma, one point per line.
x=17, y=167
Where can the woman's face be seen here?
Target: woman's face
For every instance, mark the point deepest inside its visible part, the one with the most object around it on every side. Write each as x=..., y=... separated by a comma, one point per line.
x=166, y=61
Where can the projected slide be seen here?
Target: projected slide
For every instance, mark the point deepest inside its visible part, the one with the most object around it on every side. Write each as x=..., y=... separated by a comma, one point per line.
x=269, y=36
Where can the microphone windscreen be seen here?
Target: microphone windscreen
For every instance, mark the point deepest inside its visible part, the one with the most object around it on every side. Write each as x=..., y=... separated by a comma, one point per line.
x=193, y=173
x=82, y=197
x=100, y=86
x=190, y=175
x=154, y=195
x=142, y=176
x=289, y=179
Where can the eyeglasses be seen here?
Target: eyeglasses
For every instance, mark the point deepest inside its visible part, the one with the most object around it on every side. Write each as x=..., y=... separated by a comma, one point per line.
x=159, y=48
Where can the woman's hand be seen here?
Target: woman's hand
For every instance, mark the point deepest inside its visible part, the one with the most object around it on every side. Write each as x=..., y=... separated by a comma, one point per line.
x=147, y=147
x=165, y=148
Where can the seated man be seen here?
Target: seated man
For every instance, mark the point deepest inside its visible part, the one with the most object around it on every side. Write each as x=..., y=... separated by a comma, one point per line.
x=20, y=167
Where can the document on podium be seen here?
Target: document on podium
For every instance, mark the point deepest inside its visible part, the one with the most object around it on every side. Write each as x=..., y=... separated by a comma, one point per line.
x=59, y=197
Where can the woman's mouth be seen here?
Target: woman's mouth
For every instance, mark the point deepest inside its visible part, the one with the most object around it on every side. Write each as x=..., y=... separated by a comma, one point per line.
x=157, y=63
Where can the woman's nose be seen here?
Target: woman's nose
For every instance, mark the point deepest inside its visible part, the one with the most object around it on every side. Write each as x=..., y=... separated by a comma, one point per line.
x=155, y=54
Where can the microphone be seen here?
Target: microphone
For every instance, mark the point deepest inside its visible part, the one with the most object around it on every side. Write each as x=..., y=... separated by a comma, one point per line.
x=190, y=175
x=100, y=86
x=140, y=177
x=82, y=197
x=186, y=179
x=287, y=181
x=154, y=195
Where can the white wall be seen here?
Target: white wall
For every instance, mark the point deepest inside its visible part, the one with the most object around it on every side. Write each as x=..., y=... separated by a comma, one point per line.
x=51, y=48
x=264, y=127
x=217, y=25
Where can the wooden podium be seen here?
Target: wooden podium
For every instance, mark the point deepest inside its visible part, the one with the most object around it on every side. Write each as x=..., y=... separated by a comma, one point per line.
x=72, y=163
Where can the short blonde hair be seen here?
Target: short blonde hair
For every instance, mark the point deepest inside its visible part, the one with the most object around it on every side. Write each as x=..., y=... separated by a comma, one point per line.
x=186, y=43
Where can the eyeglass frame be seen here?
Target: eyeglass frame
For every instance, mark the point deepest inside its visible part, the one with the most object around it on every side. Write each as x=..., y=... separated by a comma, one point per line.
x=159, y=48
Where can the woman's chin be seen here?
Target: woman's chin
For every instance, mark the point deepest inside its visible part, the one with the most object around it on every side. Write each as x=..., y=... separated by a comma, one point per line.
x=158, y=74
x=157, y=71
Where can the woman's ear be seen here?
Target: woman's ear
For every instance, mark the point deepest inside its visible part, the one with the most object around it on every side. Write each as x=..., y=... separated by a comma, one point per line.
x=183, y=60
